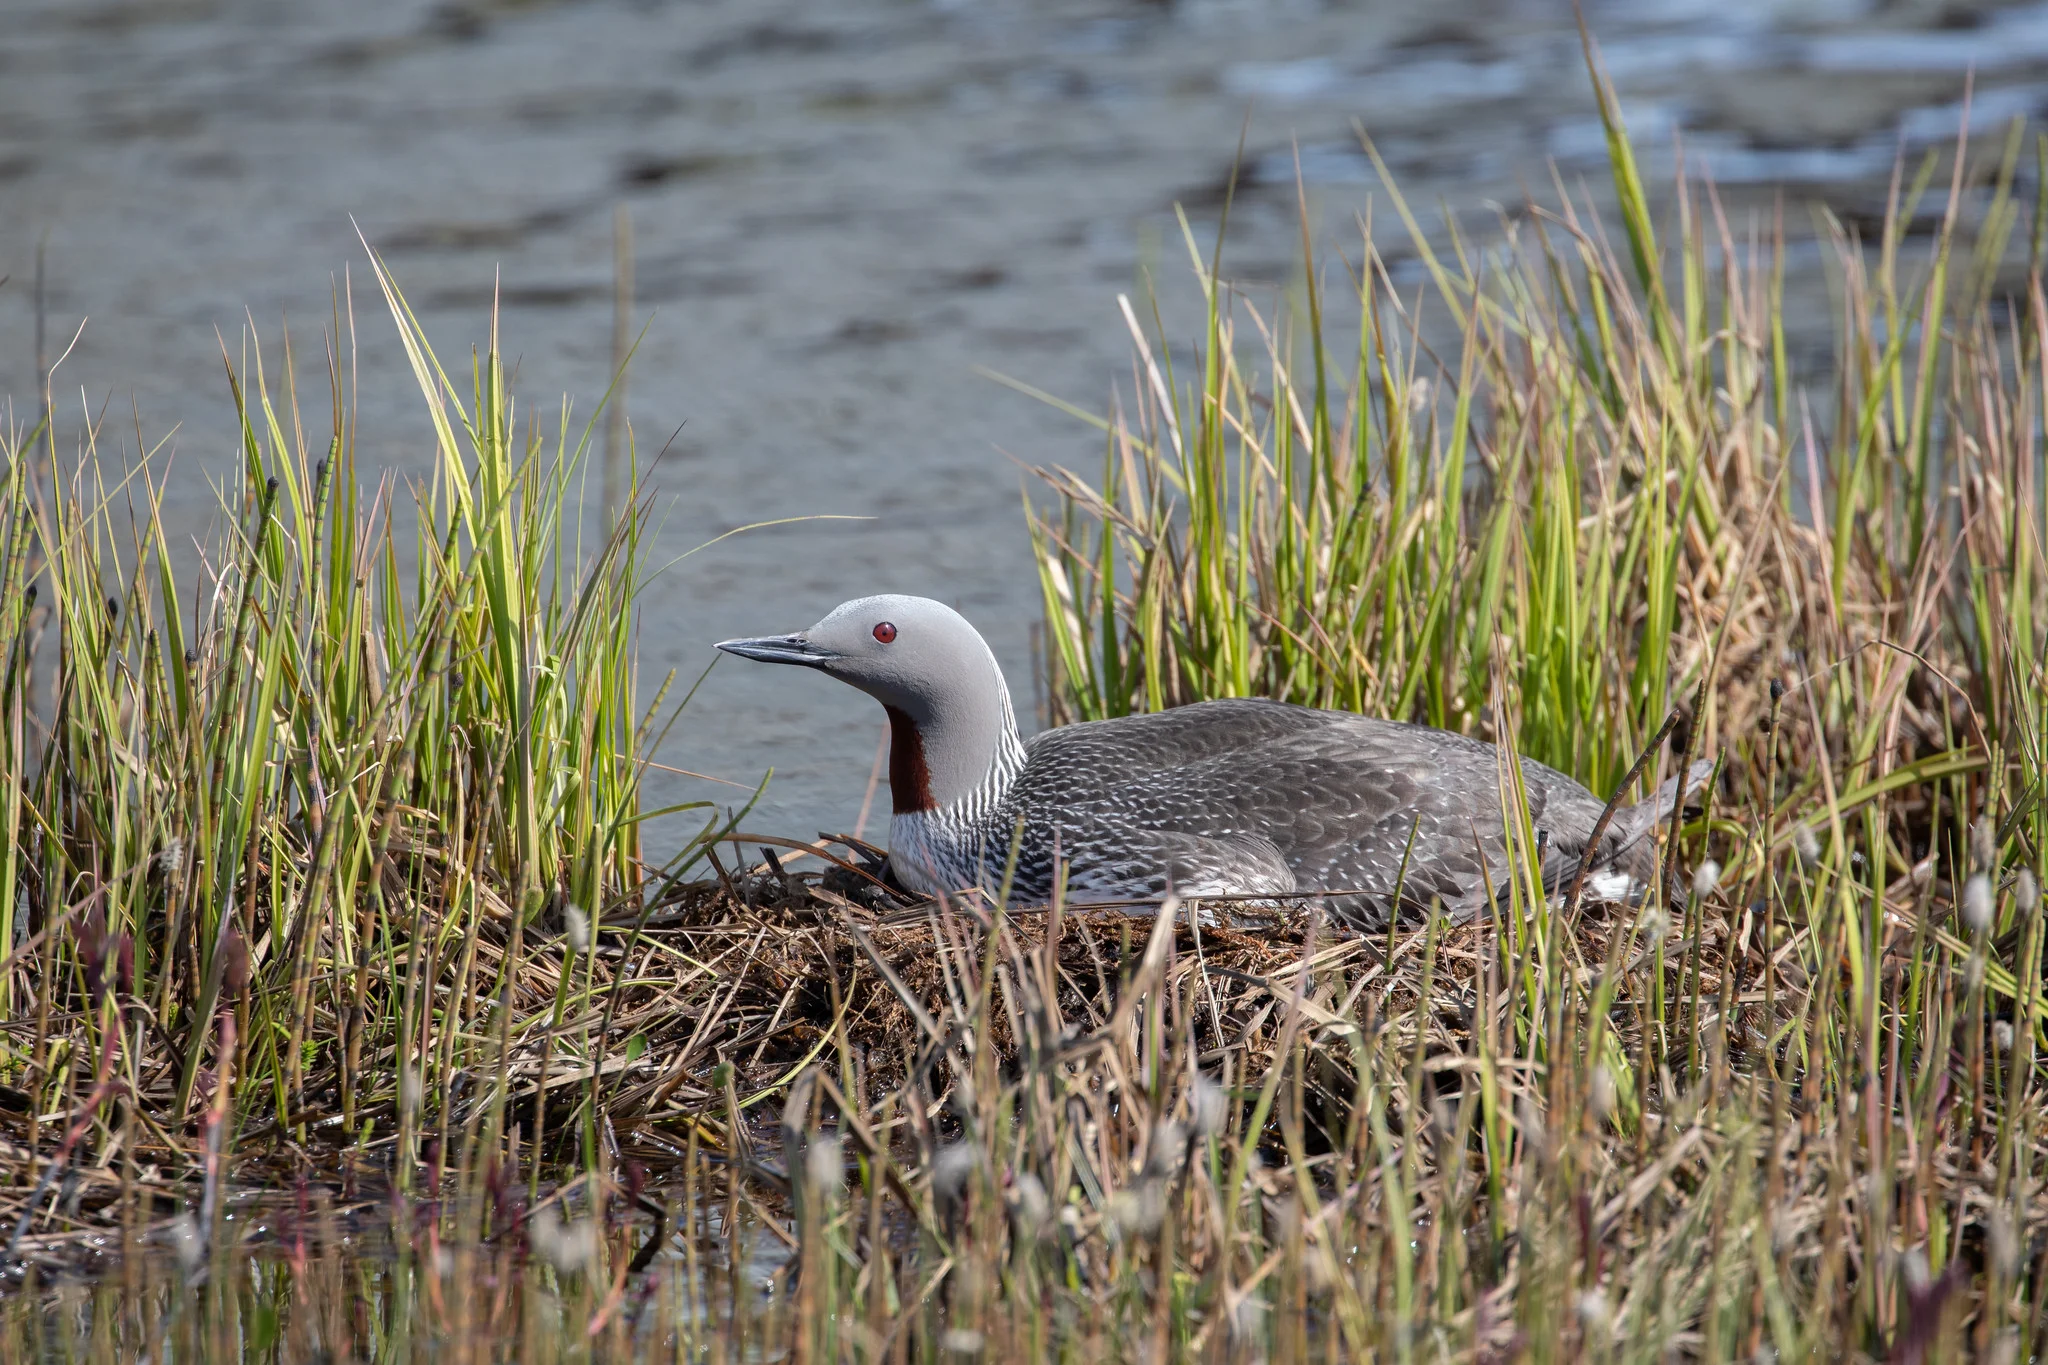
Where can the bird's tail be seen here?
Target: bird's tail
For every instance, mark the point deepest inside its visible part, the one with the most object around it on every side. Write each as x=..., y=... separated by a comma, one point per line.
x=1633, y=824
x=1626, y=864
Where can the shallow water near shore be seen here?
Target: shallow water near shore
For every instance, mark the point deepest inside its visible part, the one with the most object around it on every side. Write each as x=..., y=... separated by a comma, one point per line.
x=837, y=215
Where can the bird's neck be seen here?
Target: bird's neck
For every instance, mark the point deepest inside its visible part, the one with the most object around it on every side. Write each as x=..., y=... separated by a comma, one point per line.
x=954, y=757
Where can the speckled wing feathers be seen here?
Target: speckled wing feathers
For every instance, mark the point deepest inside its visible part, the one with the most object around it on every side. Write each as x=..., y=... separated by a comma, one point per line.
x=1257, y=798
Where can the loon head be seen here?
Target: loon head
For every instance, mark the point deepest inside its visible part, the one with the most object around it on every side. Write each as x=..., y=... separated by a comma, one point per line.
x=949, y=708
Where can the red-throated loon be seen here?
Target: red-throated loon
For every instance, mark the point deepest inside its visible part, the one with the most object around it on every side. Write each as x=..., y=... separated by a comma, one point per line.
x=1221, y=798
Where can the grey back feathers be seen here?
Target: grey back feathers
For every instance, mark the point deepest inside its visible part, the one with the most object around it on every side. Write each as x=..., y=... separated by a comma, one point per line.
x=1225, y=798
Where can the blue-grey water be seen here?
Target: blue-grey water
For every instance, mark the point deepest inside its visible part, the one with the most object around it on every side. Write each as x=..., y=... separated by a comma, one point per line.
x=840, y=211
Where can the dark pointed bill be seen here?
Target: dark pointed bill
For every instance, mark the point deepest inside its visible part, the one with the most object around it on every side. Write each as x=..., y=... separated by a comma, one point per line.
x=779, y=649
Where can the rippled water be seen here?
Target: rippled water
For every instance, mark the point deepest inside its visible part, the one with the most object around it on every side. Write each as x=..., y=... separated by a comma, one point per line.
x=840, y=211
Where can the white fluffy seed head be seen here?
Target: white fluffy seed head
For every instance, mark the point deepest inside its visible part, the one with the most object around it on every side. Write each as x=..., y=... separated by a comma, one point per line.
x=1653, y=924
x=1601, y=1094
x=1168, y=1146
x=1983, y=844
x=1594, y=1314
x=1208, y=1107
x=187, y=1244
x=1806, y=845
x=951, y=1166
x=2001, y=1035
x=823, y=1165
x=1977, y=903
x=1030, y=1209
x=2026, y=892
x=579, y=929
x=2002, y=1243
x=1706, y=879
x=1139, y=1210
x=568, y=1247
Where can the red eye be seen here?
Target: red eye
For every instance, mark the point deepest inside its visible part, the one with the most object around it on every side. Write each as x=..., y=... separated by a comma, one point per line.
x=885, y=632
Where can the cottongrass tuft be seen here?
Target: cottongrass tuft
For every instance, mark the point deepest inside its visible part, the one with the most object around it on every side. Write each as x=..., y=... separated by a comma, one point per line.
x=1806, y=845
x=1030, y=1208
x=951, y=1167
x=1139, y=1210
x=1977, y=903
x=578, y=927
x=188, y=1243
x=1706, y=879
x=1167, y=1150
x=1602, y=1093
x=824, y=1164
x=567, y=1246
x=1983, y=844
x=2002, y=1243
x=1208, y=1106
x=1248, y=1318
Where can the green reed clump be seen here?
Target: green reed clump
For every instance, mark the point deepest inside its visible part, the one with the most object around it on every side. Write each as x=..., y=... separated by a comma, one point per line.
x=1573, y=478
x=1569, y=484
x=256, y=824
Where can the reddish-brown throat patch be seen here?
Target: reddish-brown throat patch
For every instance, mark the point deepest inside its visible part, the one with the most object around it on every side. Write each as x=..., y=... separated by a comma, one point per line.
x=910, y=781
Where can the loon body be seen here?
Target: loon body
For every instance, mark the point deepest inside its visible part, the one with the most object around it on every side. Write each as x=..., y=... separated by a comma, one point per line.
x=1241, y=798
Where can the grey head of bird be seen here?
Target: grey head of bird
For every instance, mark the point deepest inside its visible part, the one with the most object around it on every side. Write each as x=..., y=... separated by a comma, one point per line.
x=949, y=709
